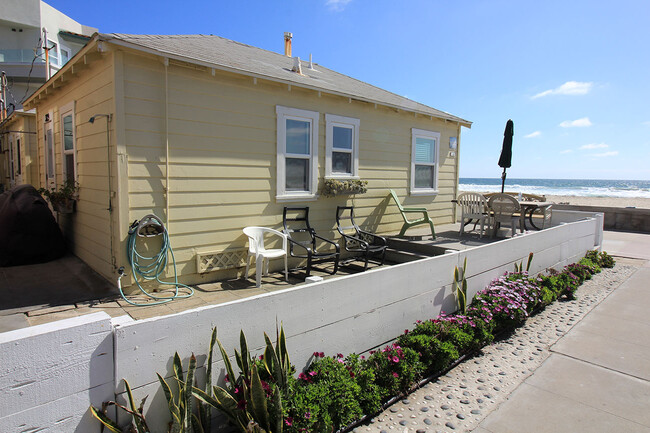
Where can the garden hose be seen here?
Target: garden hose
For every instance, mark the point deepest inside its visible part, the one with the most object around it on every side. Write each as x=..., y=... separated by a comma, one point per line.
x=150, y=268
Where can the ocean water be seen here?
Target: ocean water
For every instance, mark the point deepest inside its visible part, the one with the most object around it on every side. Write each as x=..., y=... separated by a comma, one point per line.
x=568, y=187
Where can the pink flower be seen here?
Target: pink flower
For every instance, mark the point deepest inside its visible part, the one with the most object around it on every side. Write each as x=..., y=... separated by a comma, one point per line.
x=288, y=421
x=395, y=375
x=313, y=373
x=395, y=359
x=321, y=354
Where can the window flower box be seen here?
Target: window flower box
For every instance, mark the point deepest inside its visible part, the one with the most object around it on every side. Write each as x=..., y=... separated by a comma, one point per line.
x=334, y=187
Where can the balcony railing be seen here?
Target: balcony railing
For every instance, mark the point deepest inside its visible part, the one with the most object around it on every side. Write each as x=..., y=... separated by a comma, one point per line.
x=19, y=56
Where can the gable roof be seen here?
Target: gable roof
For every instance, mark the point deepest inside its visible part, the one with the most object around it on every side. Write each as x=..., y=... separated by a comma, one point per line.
x=225, y=54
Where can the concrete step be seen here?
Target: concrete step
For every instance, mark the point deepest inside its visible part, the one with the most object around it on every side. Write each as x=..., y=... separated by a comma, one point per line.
x=422, y=247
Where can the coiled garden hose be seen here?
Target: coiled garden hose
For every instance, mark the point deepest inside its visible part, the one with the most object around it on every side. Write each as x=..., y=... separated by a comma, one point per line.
x=150, y=268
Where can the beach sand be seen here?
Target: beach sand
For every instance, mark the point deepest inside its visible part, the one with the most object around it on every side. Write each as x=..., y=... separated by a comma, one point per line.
x=637, y=202
x=641, y=203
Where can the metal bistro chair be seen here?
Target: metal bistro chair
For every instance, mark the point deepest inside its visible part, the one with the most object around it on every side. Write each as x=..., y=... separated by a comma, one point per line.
x=257, y=249
x=473, y=206
x=357, y=240
x=303, y=239
x=505, y=209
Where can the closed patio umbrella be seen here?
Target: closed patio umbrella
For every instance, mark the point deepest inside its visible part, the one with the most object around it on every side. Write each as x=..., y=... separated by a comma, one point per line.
x=506, y=151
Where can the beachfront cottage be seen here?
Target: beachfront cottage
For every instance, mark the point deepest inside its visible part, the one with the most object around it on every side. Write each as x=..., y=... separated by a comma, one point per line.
x=213, y=135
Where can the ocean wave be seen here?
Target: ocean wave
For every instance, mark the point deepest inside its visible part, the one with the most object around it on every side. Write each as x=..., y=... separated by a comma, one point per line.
x=622, y=191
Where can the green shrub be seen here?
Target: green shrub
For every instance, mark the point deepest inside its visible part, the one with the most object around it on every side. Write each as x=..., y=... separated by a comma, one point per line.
x=396, y=369
x=601, y=259
x=593, y=266
x=605, y=260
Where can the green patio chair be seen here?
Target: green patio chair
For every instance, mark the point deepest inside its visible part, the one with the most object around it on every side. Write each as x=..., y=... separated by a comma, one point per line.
x=410, y=210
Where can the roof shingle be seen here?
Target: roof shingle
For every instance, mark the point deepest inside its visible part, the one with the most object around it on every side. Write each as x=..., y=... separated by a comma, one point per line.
x=226, y=54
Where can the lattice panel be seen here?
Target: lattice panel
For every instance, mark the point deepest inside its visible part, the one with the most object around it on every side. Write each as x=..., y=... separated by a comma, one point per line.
x=216, y=260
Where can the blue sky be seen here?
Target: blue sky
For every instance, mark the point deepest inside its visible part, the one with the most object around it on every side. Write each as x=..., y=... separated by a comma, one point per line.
x=574, y=76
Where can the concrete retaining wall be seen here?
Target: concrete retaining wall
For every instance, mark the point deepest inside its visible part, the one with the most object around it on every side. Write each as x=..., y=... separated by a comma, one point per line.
x=50, y=374
x=349, y=314
x=617, y=218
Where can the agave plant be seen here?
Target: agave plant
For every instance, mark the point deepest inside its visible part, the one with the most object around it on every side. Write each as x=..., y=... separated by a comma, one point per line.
x=249, y=402
x=138, y=422
x=460, y=287
x=181, y=406
x=519, y=267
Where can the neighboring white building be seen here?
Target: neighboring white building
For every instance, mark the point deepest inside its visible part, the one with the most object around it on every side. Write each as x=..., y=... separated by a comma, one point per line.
x=27, y=28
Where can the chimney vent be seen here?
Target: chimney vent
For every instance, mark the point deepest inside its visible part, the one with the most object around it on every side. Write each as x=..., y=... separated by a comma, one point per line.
x=287, y=43
x=297, y=67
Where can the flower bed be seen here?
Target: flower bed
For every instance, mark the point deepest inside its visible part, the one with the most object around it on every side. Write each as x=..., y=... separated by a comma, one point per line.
x=334, y=392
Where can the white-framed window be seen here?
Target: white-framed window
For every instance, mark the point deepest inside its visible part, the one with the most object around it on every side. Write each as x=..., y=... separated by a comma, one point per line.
x=424, y=162
x=48, y=150
x=297, y=166
x=342, y=145
x=64, y=54
x=68, y=142
x=53, y=52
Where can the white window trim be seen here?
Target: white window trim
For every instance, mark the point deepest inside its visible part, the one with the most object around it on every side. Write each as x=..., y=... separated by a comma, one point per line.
x=65, y=110
x=415, y=133
x=332, y=120
x=282, y=113
x=50, y=181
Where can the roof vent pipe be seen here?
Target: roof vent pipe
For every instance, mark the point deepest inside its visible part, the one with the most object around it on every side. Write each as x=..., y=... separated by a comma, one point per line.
x=287, y=43
x=297, y=67
x=311, y=64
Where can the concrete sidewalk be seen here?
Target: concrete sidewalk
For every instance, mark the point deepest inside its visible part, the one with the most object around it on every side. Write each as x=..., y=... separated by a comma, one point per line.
x=597, y=378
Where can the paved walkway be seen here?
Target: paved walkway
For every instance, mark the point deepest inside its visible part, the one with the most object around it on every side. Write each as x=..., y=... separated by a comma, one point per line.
x=597, y=378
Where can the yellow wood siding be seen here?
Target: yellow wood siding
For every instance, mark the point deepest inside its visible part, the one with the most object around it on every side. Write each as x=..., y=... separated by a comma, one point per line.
x=92, y=90
x=222, y=157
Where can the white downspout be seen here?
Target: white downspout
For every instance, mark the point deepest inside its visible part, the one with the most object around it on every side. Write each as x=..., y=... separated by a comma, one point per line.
x=167, y=191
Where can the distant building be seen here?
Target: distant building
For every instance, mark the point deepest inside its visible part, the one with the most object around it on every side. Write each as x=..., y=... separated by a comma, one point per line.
x=36, y=40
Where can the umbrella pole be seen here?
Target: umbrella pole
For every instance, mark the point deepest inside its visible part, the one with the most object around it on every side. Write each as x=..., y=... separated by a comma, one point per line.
x=503, y=180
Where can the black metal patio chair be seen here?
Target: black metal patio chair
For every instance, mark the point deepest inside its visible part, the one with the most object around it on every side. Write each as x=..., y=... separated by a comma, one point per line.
x=303, y=240
x=357, y=240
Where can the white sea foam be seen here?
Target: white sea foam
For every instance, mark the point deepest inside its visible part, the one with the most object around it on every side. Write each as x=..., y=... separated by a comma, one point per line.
x=574, y=191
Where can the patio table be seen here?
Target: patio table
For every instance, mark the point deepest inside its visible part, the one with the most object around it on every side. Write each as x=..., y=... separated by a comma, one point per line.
x=529, y=207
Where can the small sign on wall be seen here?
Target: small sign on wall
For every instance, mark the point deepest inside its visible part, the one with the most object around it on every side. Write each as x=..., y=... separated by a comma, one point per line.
x=453, y=143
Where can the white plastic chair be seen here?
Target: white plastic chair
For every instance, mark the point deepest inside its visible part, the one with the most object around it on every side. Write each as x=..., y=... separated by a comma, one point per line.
x=257, y=249
x=474, y=206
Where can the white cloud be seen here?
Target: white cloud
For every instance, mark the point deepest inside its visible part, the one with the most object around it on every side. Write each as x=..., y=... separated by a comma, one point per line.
x=594, y=146
x=568, y=88
x=533, y=134
x=563, y=152
x=647, y=123
x=606, y=154
x=337, y=5
x=578, y=123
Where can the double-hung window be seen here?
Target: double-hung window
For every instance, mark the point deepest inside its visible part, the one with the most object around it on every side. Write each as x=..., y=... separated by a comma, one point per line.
x=342, y=144
x=424, y=162
x=297, y=164
x=69, y=153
